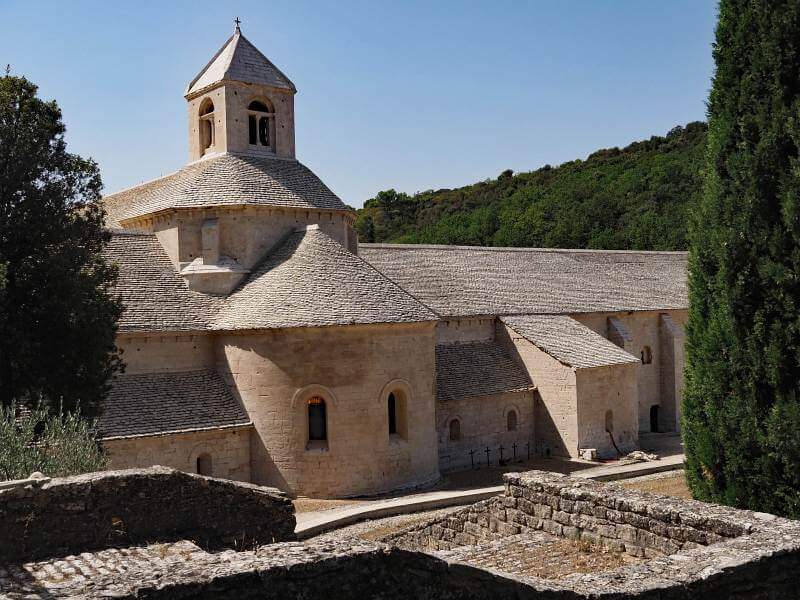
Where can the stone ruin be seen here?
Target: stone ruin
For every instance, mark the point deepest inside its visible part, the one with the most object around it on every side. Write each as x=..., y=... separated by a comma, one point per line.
x=214, y=540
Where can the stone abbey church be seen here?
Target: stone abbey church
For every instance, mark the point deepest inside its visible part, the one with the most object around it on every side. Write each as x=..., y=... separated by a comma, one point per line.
x=263, y=343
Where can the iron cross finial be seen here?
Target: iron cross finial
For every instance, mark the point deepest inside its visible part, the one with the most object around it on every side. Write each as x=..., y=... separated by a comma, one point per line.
x=238, y=22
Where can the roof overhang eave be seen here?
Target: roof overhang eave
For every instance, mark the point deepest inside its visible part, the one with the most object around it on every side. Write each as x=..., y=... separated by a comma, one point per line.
x=177, y=431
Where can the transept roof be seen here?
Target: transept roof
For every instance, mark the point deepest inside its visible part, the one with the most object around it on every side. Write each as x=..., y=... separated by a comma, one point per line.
x=312, y=281
x=568, y=341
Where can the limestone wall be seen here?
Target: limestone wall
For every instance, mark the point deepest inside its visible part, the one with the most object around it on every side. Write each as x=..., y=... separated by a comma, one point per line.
x=467, y=329
x=484, y=423
x=229, y=449
x=353, y=369
x=646, y=330
x=99, y=510
x=159, y=353
x=605, y=389
x=246, y=233
x=555, y=404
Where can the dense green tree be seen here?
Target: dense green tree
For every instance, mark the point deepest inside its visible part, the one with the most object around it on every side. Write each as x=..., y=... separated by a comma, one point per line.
x=741, y=412
x=637, y=197
x=58, y=313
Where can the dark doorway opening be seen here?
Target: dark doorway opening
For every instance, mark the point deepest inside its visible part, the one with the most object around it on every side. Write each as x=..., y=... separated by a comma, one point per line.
x=654, y=418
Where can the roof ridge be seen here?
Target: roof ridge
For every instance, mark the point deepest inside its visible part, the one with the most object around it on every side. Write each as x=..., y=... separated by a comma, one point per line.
x=381, y=246
x=269, y=62
x=210, y=62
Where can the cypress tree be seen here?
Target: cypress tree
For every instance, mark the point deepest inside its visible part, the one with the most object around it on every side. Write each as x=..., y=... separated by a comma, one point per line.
x=741, y=410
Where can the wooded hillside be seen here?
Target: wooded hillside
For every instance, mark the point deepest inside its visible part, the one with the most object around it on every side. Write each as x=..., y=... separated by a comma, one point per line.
x=636, y=197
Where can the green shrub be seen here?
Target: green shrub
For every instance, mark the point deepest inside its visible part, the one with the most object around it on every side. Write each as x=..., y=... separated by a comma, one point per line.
x=54, y=443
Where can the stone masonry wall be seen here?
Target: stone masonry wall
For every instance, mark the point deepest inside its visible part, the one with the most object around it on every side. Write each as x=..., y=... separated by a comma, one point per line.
x=229, y=449
x=645, y=329
x=484, y=423
x=353, y=369
x=639, y=523
x=555, y=398
x=99, y=510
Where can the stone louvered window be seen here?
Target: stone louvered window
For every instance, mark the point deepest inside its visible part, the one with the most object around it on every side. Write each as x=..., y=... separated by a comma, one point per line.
x=511, y=420
x=206, y=125
x=260, y=124
x=317, y=420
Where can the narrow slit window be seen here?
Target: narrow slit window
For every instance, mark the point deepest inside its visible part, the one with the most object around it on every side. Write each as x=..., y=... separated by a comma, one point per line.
x=317, y=420
x=253, y=129
x=392, y=414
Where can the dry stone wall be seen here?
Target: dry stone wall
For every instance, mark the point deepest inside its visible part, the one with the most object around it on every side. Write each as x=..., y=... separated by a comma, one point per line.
x=113, y=508
x=724, y=553
x=626, y=520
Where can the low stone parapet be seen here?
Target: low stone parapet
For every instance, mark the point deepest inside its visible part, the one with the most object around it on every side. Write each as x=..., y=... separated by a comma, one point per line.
x=115, y=508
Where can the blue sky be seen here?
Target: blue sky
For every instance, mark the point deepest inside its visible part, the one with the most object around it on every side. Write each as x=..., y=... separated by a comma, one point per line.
x=411, y=95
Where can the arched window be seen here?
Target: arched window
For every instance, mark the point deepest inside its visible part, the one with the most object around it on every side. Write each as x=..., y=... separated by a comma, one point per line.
x=392, y=414
x=455, y=430
x=647, y=355
x=204, y=466
x=317, y=420
x=206, y=125
x=260, y=124
x=511, y=420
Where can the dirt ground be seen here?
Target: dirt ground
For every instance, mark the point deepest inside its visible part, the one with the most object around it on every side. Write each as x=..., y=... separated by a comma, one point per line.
x=669, y=484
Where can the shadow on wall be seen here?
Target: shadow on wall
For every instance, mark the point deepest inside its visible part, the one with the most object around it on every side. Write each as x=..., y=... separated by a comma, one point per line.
x=546, y=437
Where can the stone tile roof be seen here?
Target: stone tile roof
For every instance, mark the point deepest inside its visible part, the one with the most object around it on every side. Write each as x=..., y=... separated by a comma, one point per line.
x=227, y=179
x=468, y=370
x=312, y=281
x=568, y=341
x=462, y=281
x=153, y=403
x=155, y=296
x=239, y=60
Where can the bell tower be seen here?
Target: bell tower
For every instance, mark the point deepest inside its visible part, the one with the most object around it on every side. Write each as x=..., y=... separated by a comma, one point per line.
x=240, y=103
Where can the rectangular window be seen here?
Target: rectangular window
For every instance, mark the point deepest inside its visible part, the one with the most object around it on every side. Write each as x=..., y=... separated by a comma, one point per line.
x=252, y=125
